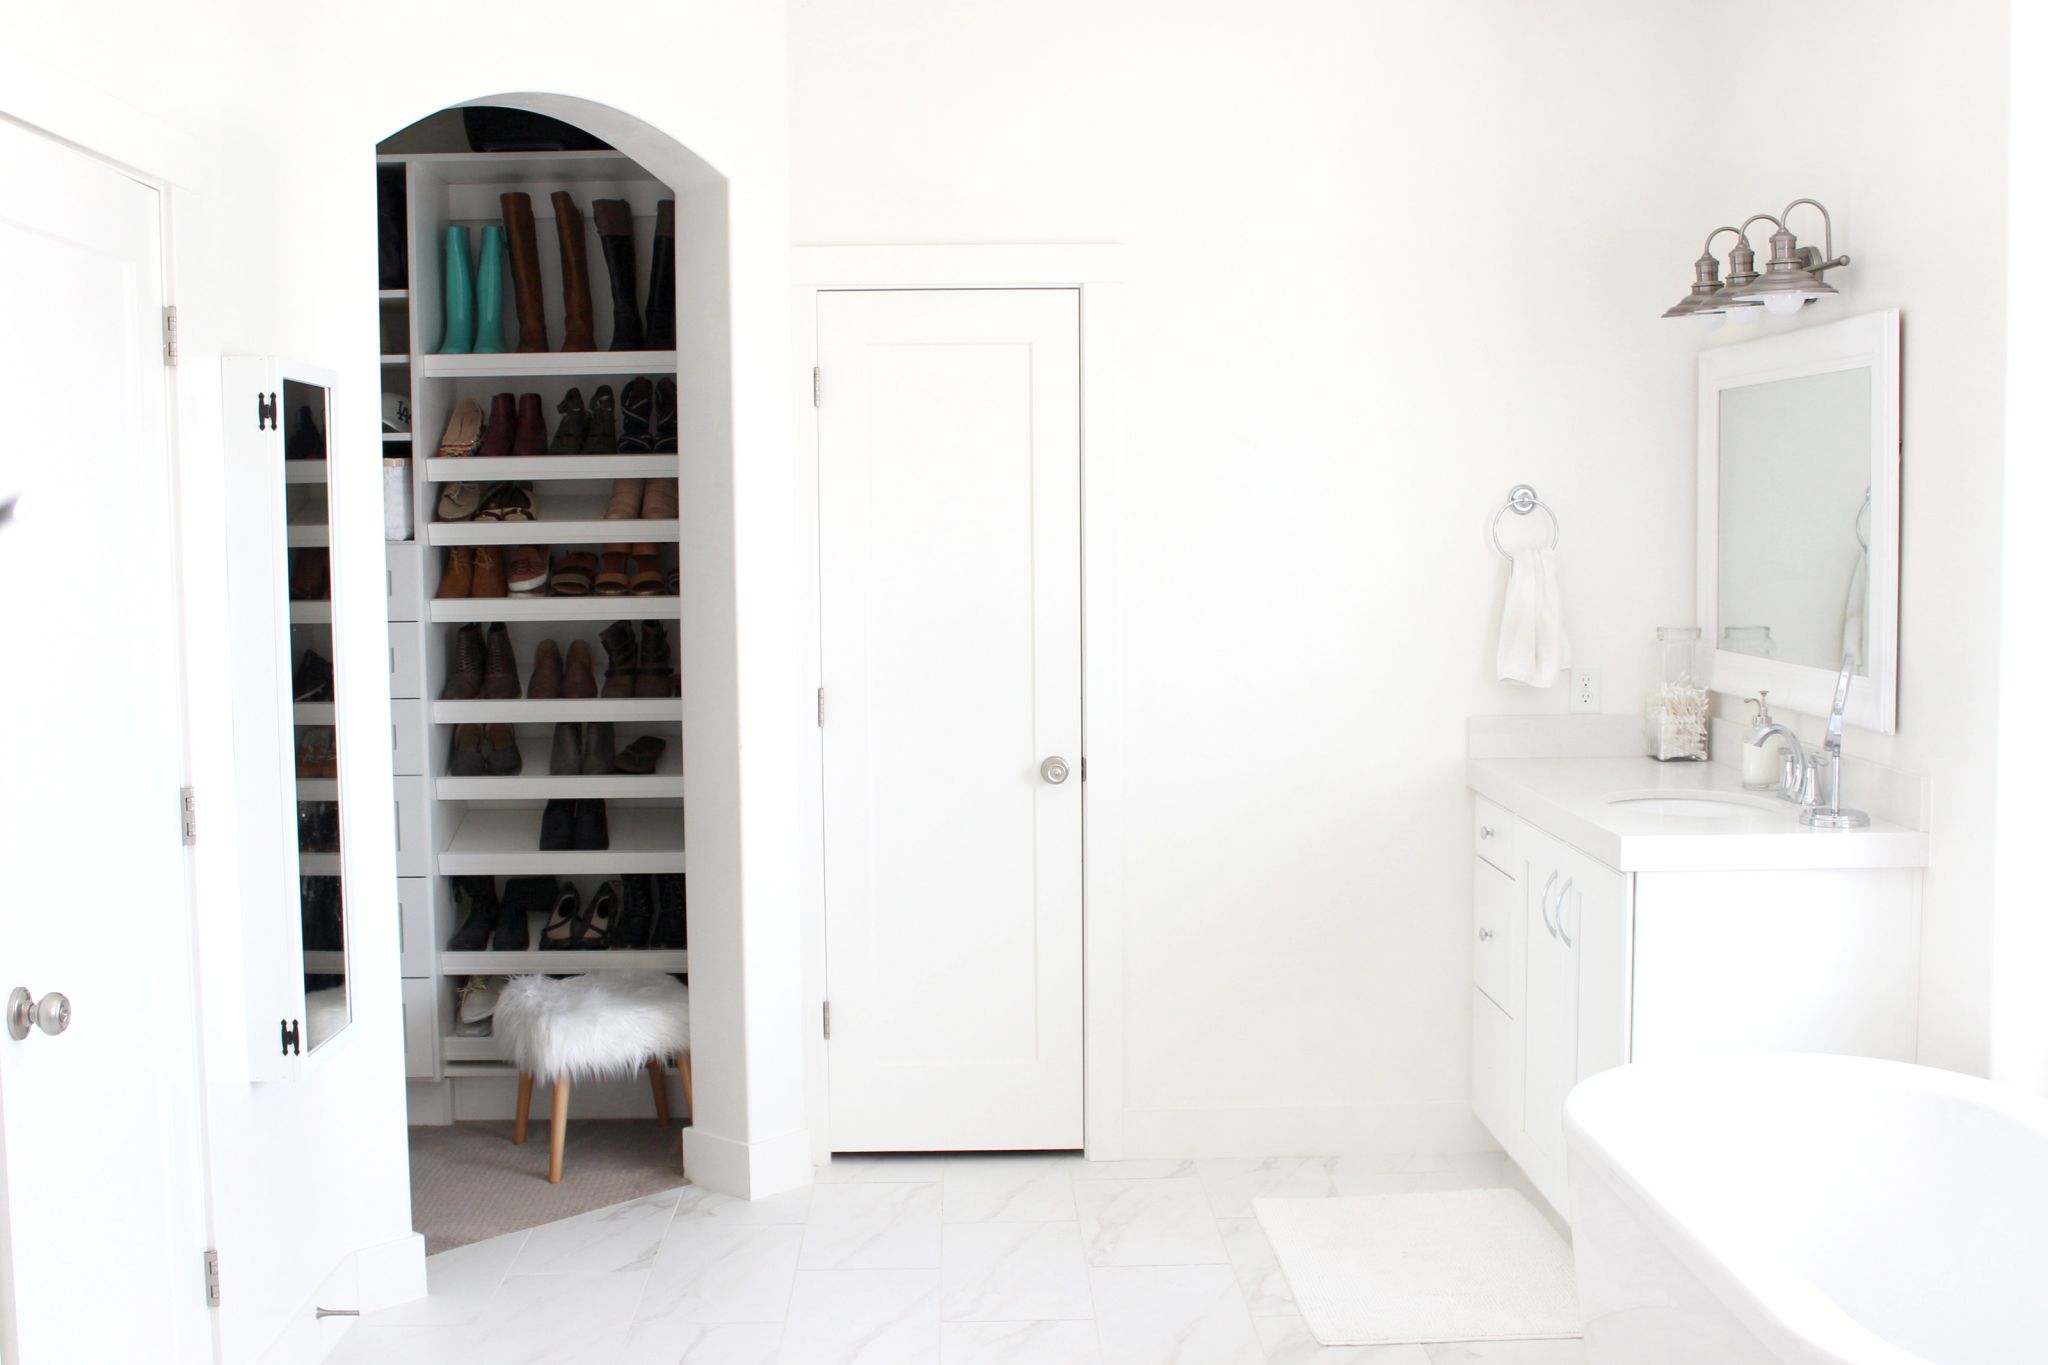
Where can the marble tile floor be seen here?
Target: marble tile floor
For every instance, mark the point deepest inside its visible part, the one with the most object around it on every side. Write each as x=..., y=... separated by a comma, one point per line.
x=919, y=1260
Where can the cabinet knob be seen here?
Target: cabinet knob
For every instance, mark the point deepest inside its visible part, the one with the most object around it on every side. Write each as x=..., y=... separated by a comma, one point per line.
x=1486, y=831
x=1485, y=934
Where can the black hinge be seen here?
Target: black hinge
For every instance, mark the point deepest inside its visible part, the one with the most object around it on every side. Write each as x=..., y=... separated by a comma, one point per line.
x=266, y=410
x=288, y=1036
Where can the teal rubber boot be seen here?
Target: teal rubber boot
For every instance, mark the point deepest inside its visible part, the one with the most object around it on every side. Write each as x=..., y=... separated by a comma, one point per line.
x=490, y=292
x=458, y=291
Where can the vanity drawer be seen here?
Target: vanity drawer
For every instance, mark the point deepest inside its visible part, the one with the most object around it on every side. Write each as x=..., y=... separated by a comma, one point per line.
x=1497, y=1072
x=1493, y=835
x=1496, y=910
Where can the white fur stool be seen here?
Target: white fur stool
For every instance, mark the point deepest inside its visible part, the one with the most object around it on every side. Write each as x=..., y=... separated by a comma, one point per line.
x=604, y=1026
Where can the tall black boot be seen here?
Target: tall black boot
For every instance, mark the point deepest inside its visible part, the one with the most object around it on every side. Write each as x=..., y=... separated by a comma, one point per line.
x=391, y=227
x=615, y=234
x=661, y=281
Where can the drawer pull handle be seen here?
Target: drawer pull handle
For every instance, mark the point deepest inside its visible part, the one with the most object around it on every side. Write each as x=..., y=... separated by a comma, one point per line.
x=1544, y=904
x=1486, y=831
x=1562, y=891
x=1485, y=934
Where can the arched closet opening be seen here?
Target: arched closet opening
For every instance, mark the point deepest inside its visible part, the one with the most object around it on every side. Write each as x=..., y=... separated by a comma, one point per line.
x=555, y=352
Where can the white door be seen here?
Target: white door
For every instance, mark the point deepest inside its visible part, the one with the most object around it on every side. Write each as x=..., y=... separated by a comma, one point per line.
x=949, y=509
x=99, y=1256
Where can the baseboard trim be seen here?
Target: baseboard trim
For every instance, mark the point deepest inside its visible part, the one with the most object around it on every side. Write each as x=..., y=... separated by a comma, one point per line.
x=1365, y=1129
x=747, y=1170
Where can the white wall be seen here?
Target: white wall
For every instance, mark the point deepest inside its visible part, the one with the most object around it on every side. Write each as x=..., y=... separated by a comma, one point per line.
x=268, y=117
x=1384, y=262
x=1900, y=128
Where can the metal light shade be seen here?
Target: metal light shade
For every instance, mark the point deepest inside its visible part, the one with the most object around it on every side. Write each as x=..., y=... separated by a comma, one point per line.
x=1789, y=274
x=1706, y=275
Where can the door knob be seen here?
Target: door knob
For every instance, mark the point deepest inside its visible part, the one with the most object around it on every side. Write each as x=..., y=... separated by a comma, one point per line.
x=51, y=1014
x=1054, y=770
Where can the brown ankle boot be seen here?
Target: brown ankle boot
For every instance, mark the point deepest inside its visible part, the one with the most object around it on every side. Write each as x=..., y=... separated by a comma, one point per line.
x=465, y=664
x=501, y=670
x=622, y=659
x=489, y=578
x=580, y=679
x=546, y=682
x=522, y=248
x=577, y=331
x=650, y=678
x=460, y=574
x=662, y=500
x=626, y=497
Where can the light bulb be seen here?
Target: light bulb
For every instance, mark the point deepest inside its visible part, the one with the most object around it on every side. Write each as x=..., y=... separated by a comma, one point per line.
x=1746, y=314
x=1783, y=305
x=1709, y=322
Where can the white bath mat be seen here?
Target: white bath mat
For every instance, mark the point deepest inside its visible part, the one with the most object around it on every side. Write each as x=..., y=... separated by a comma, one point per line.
x=1460, y=1265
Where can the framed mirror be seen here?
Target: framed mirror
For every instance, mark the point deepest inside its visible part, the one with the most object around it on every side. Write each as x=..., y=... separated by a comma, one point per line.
x=1798, y=552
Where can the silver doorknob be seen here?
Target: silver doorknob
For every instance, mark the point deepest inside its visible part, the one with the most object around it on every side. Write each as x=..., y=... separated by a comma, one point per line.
x=1054, y=770
x=51, y=1014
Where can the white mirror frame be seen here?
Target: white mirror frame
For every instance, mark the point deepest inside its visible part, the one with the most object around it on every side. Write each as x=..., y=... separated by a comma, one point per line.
x=1872, y=342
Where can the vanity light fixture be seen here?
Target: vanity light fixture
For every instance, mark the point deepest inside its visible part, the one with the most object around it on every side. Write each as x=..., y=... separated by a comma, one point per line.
x=1790, y=279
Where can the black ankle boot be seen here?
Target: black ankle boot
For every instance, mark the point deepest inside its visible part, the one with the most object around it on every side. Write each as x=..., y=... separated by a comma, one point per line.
x=671, y=920
x=615, y=234
x=484, y=911
x=524, y=897
x=558, y=826
x=661, y=280
x=634, y=927
x=593, y=831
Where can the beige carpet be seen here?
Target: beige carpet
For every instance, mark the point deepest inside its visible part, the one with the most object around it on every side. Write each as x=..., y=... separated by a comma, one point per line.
x=470, y=1183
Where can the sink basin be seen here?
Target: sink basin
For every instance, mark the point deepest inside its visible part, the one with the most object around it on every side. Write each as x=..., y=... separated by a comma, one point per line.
x=1705, y=806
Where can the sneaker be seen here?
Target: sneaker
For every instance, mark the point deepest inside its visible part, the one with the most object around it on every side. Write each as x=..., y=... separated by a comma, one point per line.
x=475, y=1003
x=526, y=574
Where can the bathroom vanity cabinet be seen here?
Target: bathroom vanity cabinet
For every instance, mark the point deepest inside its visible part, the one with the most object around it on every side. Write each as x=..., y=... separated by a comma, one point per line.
x=1603, y=934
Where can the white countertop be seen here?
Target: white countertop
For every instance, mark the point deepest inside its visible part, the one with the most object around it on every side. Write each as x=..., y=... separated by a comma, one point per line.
x=1568, y=798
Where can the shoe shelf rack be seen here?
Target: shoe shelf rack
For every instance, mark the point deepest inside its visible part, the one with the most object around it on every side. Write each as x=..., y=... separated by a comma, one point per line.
x=489, y=826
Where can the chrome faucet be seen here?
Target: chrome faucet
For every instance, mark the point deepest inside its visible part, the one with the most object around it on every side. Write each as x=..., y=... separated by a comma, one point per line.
x=1795, y=774
x=1833, y=815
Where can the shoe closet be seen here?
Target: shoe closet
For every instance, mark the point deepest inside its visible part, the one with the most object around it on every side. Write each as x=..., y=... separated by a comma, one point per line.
x=466, y=823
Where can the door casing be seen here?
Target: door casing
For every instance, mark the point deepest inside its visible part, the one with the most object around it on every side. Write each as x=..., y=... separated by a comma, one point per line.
x=1095, y=271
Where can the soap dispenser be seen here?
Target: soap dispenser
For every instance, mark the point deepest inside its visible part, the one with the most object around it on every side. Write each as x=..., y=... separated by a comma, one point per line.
x=1761, y=762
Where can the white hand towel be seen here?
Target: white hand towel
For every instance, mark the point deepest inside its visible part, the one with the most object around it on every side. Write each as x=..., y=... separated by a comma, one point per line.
x=1534, y=650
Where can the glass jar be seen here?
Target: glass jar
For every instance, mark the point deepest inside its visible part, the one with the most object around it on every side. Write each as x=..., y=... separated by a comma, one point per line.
x=1676, y=718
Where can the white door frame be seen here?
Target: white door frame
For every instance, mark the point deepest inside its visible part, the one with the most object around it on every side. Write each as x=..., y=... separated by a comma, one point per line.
x=1096, y=271
x=124, y=140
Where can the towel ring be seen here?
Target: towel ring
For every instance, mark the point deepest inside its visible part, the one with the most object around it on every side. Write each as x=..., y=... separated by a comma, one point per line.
x=1522, y=500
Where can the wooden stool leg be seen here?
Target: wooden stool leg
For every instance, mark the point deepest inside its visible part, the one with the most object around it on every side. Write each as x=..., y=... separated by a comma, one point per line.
x=558, y=1129
x=659, y=1080
x=525, y=1103
x=683, y=1074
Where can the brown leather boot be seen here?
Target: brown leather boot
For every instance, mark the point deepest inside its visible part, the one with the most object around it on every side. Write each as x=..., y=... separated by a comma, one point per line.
x=625, y=503
x=546, y=682
x=622, y=659
x=522, y=248
x=465, y=664
x=501, y=670
x=664, y=497
x=530, y=436
x=661, y=281
x=460, y=573
x=650, y=679
x=580, y=679
x=578, y=333
x=489, y=578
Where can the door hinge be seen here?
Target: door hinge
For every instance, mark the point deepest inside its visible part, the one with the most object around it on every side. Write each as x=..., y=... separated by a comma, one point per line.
x=188, y=815
x=817, y=387
x=828, y=1020
x=213, y=1279
x=1084, y=767
x=821, y=706
x=288, y=1037
x=171, y=334
x=266, y=410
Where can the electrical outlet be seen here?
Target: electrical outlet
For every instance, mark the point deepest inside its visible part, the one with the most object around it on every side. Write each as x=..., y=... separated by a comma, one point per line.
x=1584, y=697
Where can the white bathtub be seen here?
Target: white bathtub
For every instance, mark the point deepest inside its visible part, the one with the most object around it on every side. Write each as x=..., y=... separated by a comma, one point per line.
x=1759, y=1209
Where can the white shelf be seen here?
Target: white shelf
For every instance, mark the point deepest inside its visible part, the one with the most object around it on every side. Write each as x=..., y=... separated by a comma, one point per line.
x=655, y=710
x=391, y=436
x=326, y=962
x=570, y=962
x=312, y=613
x=540, y=364
x=319, y=864
x=507, y=843
x=588, y=608
x=393, y=294
x=566, y=519
x=536, y=785
x=298, y=533
x=394, y=360
x=305, y=471
x=319, y=789
x=458, y=1068
x=312, y=713
x=456, y=1047
x=479, y=470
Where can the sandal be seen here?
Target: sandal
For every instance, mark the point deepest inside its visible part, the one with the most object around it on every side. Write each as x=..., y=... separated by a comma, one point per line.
x=639, y=757
x=675, y=581
x=573, y=574
x=508, y=502
x=611, y=580
x=465, y=430
x=575, y=422
x=647, y=578
x=459, y=501
x=603, y=438
x=636, y=418
x=565, y=920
